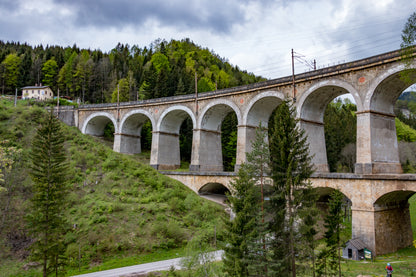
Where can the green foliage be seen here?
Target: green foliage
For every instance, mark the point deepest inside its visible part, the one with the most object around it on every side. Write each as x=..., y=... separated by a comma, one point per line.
x=11, y=70
x=118, y=206
x=333, y=223
x=49, y=71
x=121, y=92
x=241, y=230
x=405, y=132
x=407, y=46
x=159, y=70
x=292, y=195
x=266, y=242
x=229, y=141
x=340, y=131
x=205, y=84
x=48, y=172
x=160, y=62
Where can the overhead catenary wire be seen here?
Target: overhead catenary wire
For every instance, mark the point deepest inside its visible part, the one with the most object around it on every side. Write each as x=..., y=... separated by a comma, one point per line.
x=384, y=38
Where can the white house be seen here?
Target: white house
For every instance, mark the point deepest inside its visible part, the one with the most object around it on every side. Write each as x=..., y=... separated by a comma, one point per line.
x=37, y=92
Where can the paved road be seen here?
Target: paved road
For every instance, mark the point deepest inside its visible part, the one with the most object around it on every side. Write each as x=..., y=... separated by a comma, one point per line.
x=145, y=268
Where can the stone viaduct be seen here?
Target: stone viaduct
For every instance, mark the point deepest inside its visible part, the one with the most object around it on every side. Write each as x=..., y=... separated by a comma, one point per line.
x=377, y=190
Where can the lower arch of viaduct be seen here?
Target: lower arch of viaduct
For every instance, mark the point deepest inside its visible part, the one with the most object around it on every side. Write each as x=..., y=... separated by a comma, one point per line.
x=379, y=204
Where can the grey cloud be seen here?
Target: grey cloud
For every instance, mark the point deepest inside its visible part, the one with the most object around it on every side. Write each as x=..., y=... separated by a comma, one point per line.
x=9, y=5
x=219, y=16
x=367, y=35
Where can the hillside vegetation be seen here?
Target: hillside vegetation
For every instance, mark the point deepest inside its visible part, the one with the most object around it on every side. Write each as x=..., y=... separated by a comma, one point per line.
x=117, y=206
x=158, y=70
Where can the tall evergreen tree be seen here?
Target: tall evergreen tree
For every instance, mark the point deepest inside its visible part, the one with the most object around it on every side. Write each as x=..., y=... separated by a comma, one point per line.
x=48, y=171
x=258, y=160
x=242, y=229
x=333, y=225
x=292, y=192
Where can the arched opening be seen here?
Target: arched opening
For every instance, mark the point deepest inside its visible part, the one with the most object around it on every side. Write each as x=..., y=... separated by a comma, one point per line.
x=135, y=132
x=327, y=114
x=405, y=121
x=174, y=138
x=215, y=192
x=101, y=126
x=261, y=112
x=217, y=138
x=324, y=195
x=378, y=128
x=392, y=219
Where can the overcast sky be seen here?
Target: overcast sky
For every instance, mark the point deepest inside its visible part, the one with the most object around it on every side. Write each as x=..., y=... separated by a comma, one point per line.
x=257, y=36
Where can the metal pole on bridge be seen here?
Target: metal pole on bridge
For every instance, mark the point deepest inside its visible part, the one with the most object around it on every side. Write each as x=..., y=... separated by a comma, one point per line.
x=293, y=76
x=118, y=102
x=196, y=94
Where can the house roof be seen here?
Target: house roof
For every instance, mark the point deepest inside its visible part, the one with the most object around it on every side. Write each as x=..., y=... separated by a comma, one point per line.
x=35, y=87
x=357, y=243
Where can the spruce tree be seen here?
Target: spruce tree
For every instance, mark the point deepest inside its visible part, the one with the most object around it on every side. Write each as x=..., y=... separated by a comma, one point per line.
x=241, y=230
x=333, y=225
x=48, y=172
x=292, y=195
x=258, y=161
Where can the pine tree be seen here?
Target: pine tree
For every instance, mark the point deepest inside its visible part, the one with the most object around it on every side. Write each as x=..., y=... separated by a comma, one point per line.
x=292, y=194
x=48, y=172
x=333, y=225
x=258, y=161
x=240, y=230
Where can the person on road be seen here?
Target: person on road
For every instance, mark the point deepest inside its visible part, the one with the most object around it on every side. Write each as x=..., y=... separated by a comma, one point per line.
x=389, y=270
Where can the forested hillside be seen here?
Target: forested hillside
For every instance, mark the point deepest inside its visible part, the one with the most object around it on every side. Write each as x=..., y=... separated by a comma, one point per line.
x=159, y=70
x=117, y=206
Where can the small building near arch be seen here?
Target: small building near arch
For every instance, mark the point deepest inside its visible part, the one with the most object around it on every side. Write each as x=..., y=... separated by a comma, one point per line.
x=354, y=250
x=40, y=92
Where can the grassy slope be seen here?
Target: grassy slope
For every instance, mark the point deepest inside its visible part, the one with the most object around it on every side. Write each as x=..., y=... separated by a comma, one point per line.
x=118, y=206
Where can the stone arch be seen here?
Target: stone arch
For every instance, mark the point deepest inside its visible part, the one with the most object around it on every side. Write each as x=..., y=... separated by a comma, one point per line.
x=386, y=88
x=324, y=193
x=165, y=142
x=322, y=202
x=213, y=114
x=377, y=146
x=393, y=229
x=95, y=123
x=133, y=120
x=216, y=192
x=213, y=188
x=312, y=103
x=311, y=108
x=171, y=119
x=261, y=107
x=206, y=146
x=128, y=139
